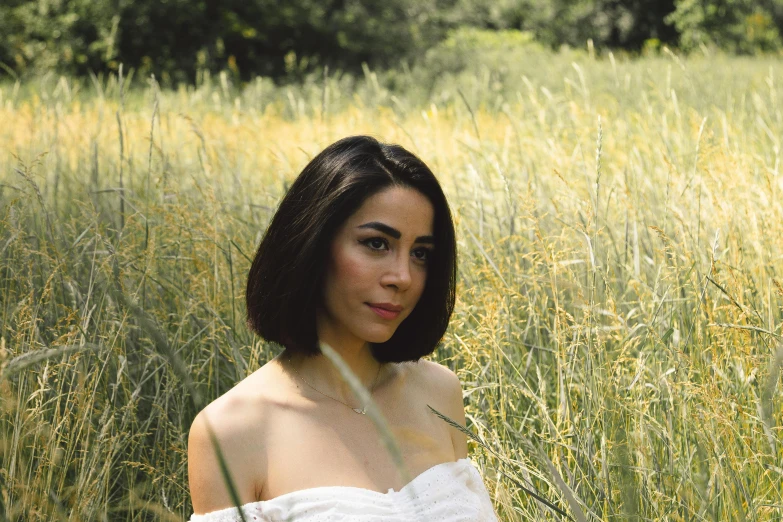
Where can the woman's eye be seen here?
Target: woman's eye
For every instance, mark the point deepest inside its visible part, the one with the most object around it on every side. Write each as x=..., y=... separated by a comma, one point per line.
x=375, y=243
x=422, y=254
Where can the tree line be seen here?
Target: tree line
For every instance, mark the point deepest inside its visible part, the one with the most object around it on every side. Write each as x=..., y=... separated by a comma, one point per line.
x=176, y=38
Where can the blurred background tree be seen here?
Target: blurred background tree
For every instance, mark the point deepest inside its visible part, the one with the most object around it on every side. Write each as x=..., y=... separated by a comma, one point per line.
x=270, y=38
x=177, y=38
x=625, y=24
x=70, y=36
x=743, y=26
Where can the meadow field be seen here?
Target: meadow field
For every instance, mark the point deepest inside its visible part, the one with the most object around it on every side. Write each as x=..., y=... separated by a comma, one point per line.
x=620, y=300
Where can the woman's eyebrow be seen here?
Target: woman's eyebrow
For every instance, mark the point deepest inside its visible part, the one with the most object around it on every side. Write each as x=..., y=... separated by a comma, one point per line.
x=393, y=232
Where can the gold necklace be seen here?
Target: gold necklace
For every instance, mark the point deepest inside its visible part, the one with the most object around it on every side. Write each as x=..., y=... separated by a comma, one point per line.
x=362, y=411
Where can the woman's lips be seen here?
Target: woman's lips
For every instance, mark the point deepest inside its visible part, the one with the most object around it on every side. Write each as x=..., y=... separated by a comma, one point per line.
x=386, y=314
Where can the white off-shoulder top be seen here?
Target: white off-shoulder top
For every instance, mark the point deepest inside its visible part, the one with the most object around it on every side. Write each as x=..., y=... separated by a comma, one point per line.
x=446, y=492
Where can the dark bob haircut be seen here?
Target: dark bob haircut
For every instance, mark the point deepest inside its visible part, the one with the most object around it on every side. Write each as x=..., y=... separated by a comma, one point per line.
x=284, y=286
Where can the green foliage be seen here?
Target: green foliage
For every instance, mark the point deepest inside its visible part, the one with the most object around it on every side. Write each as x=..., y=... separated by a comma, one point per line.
x=743, y=26
x=176, y=38
x=268, y=38
x=469, y=46
x=181, y=40
x=77, y=35
x=609, y=23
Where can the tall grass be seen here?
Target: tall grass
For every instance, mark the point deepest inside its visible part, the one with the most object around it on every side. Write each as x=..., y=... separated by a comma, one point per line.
x=619, y=314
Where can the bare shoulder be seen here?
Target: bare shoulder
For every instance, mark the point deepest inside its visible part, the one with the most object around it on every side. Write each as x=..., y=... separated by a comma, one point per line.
x=230, y=429
x=444, y=394
x=436, y=376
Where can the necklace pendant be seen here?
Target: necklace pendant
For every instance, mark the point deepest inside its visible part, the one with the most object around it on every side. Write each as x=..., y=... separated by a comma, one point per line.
x=357, y=410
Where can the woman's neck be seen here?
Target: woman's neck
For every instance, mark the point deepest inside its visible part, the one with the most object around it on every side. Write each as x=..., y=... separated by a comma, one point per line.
x=319, y=372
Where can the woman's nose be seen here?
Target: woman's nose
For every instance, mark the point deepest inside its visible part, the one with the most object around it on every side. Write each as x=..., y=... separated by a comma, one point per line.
x=399, y=275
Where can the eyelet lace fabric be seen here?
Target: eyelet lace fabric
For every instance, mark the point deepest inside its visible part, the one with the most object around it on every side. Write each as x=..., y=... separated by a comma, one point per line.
x=446, y=492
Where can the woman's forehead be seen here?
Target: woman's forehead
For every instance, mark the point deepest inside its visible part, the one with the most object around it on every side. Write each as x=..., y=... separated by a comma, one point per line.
x=404, y=209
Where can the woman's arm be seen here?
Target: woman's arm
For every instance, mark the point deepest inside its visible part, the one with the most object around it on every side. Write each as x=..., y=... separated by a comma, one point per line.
x=208, y=484
x=457, y=408
x=449, y=391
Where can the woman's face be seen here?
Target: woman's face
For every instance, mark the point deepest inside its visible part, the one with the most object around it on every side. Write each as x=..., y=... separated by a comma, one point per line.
x=378, y=267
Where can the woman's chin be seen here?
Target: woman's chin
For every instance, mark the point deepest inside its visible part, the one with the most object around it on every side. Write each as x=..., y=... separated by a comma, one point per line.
x=380, y=337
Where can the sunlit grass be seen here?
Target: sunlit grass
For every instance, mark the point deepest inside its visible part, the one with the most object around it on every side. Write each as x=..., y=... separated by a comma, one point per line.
x=621, y=277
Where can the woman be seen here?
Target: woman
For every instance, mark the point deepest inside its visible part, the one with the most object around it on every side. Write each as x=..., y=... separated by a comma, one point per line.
x=360, y=255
